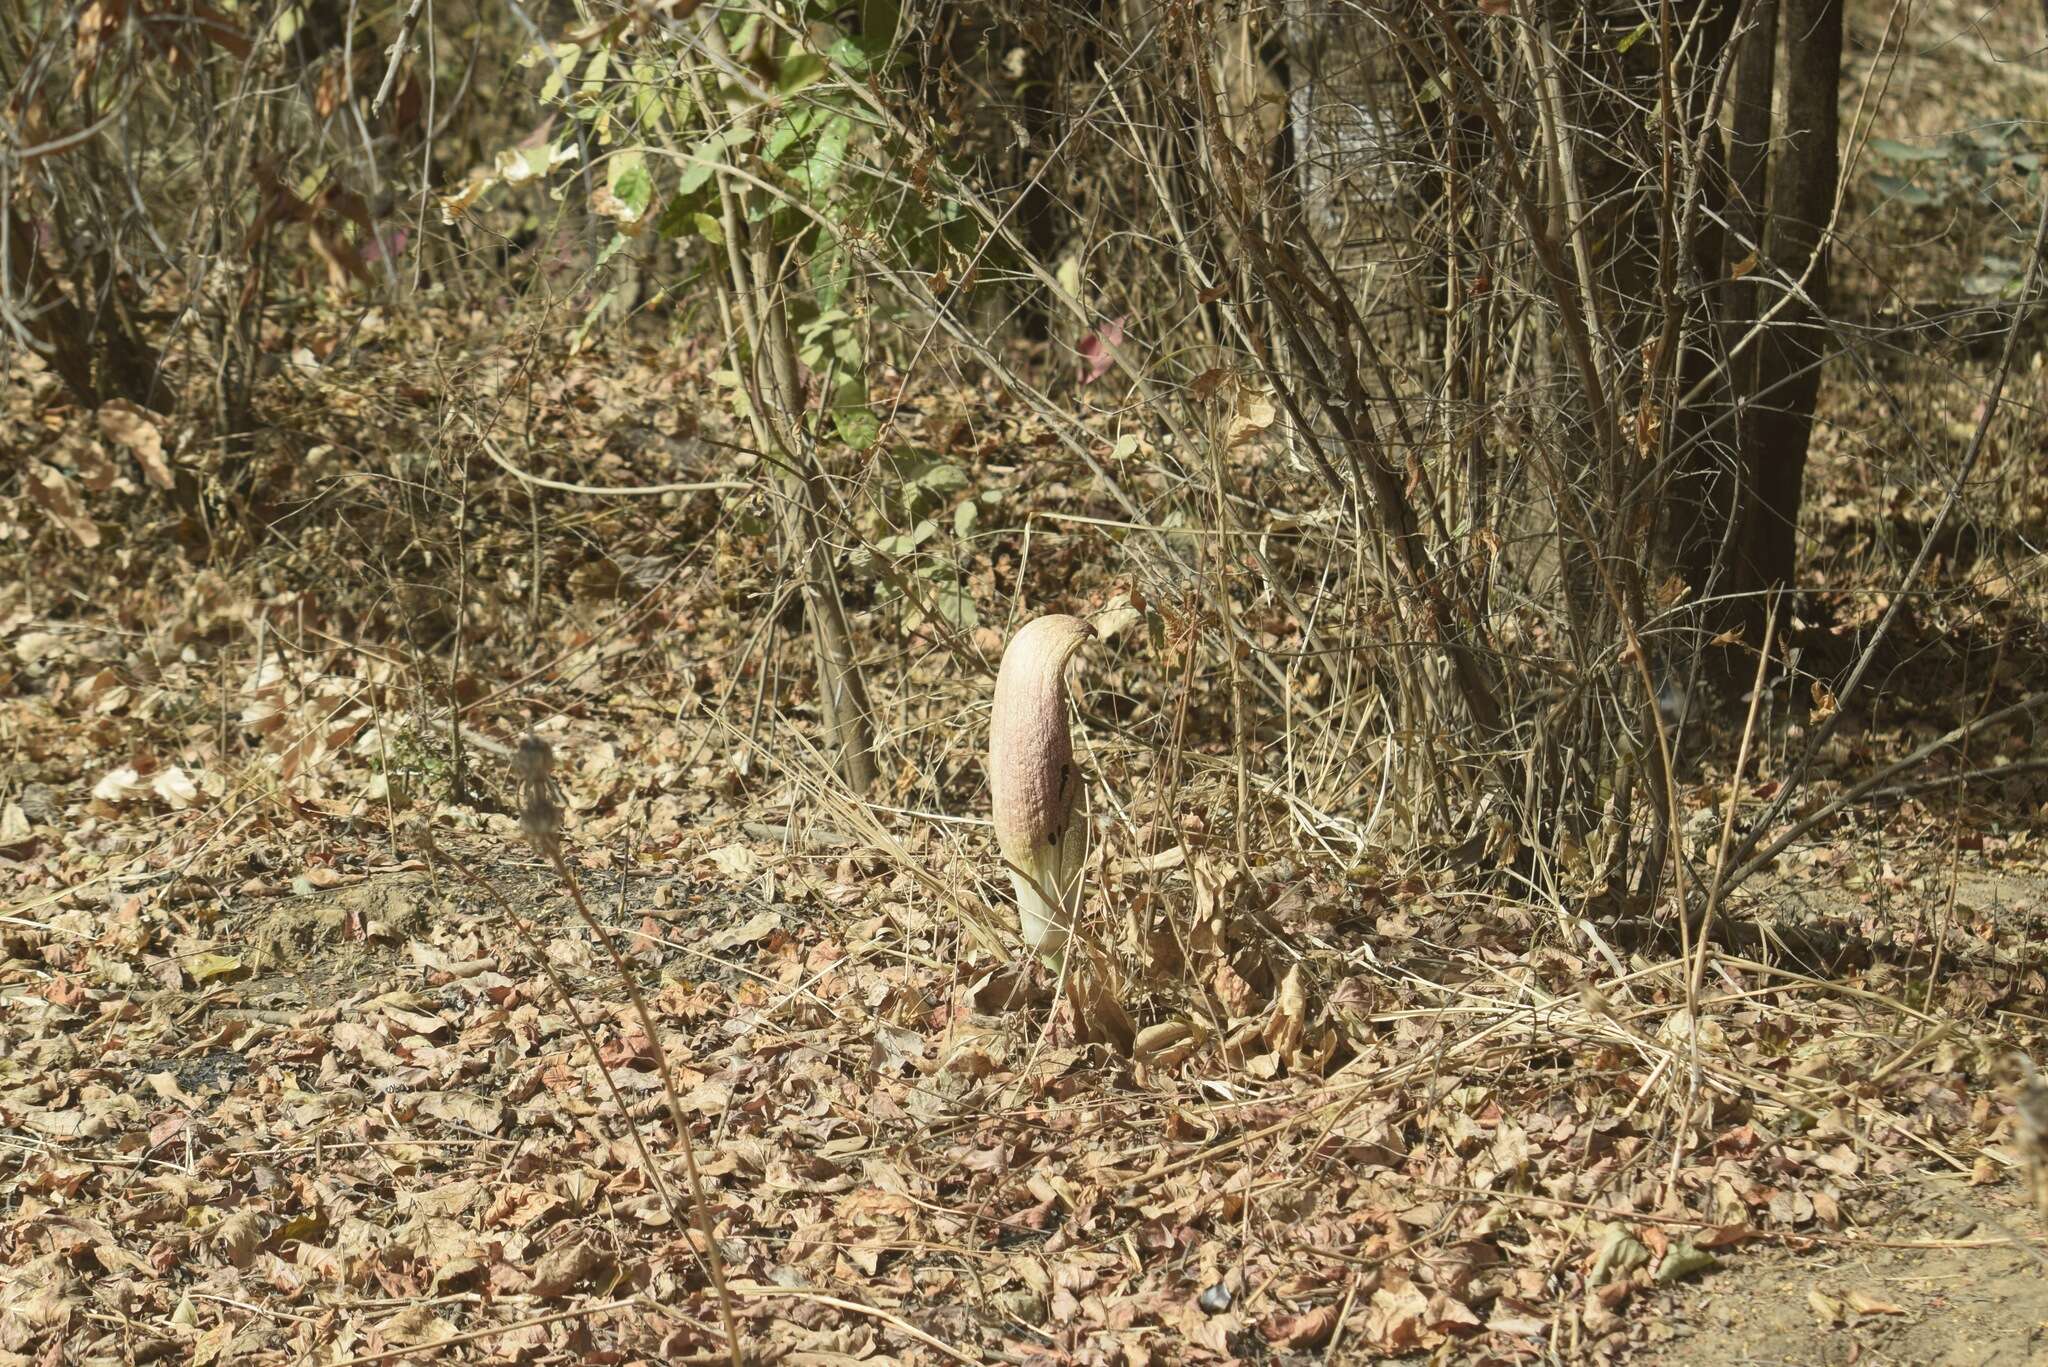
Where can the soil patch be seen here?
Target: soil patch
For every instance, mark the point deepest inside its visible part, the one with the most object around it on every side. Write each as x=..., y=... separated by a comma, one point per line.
x=1947, y=1278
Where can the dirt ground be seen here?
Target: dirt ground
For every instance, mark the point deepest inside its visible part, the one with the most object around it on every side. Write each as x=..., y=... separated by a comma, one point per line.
x=1937, y=1271
x=1950, y=1277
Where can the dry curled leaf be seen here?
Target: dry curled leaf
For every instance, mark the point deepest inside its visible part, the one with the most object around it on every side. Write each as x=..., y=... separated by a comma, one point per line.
x=54, y=494
x=1252, y=414
x=238, y=1237
x=127, y=426
x=1863, y=1303
x=563, y=1269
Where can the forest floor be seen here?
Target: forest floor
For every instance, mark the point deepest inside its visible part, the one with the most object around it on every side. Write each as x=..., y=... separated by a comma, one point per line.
x=337, y=1109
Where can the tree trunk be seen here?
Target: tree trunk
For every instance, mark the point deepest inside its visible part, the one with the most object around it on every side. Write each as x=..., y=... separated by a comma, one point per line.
x=1710, y=489
x=1735, y=516
x=1705, y=441
x=842, y=691
x=35, y=301
x=1789, y=353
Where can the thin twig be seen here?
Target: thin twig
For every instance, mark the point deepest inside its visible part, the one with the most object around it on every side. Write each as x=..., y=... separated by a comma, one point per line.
x=398, y=49
x=541, y=818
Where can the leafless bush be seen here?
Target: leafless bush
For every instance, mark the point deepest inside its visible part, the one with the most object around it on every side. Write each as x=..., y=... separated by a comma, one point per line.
x=1542, y=298
x=180, y=183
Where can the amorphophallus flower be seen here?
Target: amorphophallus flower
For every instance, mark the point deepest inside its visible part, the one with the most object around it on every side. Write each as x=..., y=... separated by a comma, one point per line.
x=1041, y=823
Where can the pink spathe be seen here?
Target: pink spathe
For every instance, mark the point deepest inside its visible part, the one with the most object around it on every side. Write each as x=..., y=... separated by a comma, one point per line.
x=1041, y=825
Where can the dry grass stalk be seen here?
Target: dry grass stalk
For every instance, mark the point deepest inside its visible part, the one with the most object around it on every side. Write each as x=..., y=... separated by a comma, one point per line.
x=2030, y=1112
x=541, y=818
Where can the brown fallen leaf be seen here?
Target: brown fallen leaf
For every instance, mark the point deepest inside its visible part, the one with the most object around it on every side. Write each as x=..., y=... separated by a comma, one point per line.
x=56, y=496
x=123, y=423
x=1239, y=997
x=1863, y=1303
x=1309, y=1329
x=563, y=1269
x=416, y=1324
x=238, y=1236
x=166, y=1086
x=208, y=1347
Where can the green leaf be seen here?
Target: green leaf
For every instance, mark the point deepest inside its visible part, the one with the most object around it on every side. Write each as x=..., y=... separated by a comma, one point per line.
x=677, y=216
x=857, y=427
x=830, y=270
x=631, y=185
x=1901, y=191
x=696, y=173
x=904, y=544
x=879, y=20
x=962, y=234
x=964, y=514
x=647, y=105
x=1993, y=136
x=1633, y=37
x=846, y=349
x=826, y=319
x=782, y=135
x=705, y=157
x=955, y=603
x=709, y=228
x=517, y=165
x=924, y=480
x=942, y=479
x=594, y=74
x=828, y=158
x=599, y=311
x=1682, y=1261
x=1995, y=275
x=1891, y=149
x=206, y=967
x=830, y=335
x=800, y=69
x=850, y=53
